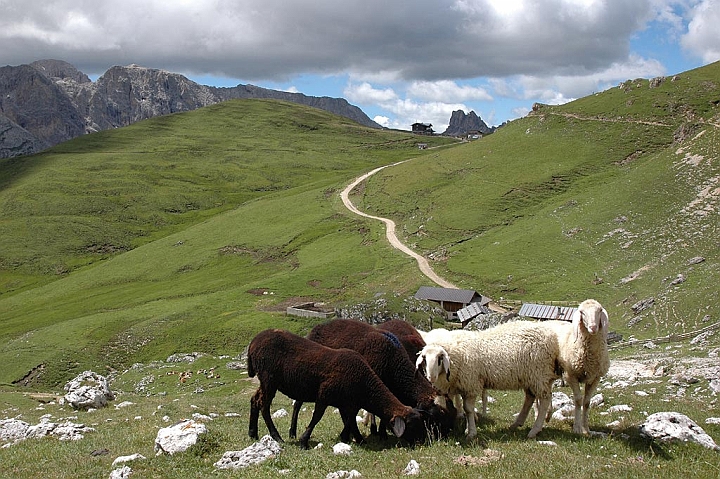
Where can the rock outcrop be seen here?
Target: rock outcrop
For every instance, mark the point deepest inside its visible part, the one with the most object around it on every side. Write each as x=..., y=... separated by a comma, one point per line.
x=50, y=101
x=463, y=125
x=88, y=391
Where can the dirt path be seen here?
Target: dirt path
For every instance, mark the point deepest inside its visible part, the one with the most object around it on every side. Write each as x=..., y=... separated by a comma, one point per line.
x=390, y=229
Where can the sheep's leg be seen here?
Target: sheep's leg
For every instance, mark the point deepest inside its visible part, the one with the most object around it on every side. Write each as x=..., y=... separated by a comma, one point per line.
x=543, y=404
x=373, y=424
x=525, y=410
x=317, y=415
x=590, y=388
x=457, y=401
x=267, y=398
x=484, y=403
x=469, y=408
x=350, y=427
x=255, y=405
x=294, y=419
x=577, y=400
x=382, y=429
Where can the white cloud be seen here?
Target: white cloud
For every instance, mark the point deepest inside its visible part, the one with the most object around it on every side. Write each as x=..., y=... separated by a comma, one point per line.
x=560, y=89
x=364, y=93
x=447, y=91
x=275, y=39
x=382, y=121
x=702, y=37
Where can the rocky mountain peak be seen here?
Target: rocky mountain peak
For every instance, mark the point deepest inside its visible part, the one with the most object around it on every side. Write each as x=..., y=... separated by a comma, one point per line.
x=462, y=124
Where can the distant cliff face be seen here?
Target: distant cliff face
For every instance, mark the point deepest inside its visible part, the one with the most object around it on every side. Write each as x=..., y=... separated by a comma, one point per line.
x=50, y=101
x=462, y=124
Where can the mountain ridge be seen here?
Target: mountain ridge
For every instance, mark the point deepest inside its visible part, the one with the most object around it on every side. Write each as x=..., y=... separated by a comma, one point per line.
x=50, y=101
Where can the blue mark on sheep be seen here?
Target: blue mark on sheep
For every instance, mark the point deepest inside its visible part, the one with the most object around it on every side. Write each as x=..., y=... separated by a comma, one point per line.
x=393, y=338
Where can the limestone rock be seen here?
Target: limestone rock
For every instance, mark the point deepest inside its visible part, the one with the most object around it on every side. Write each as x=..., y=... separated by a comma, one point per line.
x=124, y=459
x=342, y=449
x=412, y=469
x=178, y=437
x=121, y=473
x=256, y=453
x=88, y=390
x=673, y=426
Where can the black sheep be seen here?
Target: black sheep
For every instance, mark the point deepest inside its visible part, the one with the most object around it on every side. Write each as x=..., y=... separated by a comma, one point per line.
x=407, y=334
x=310, y=372
x=386, y=356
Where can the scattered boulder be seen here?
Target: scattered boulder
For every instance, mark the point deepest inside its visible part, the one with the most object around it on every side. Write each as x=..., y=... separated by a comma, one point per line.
x=675, y=427
x=183, y=357
x=342, y=449
x=256, y=453
x=13, y=431
x=641, y=306
x=121, y=473
x=130, y=458
x=412, y=469
x=280, y=413
x=178, y=437
x=88, y=391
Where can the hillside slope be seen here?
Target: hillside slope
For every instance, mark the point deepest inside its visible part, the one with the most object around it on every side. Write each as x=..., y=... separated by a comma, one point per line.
x=184, y=232
x=613, y=196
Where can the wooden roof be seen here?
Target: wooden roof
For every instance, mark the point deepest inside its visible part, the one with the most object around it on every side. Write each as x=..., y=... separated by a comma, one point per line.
x=452, y=295
x=544, y=311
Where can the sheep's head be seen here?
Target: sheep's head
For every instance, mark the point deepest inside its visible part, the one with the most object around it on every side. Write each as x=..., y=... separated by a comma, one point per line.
x=592, y=316
x=434, y=360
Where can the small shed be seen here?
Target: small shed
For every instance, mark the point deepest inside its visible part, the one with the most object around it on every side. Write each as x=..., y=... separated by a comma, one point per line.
x=544, y=311
x=451, y=299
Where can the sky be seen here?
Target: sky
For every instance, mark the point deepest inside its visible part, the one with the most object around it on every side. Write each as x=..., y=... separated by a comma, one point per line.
x=401, y=62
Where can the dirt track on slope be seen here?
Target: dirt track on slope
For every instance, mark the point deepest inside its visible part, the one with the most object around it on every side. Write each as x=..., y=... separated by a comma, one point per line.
x=390, y=229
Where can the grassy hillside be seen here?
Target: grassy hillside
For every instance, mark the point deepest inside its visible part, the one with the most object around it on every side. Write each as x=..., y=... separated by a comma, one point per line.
x=188, y=232
x=107, y=193
x=611, y=196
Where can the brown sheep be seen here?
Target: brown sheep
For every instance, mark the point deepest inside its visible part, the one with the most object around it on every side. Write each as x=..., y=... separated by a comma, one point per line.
x=310, y=372
x=386, y=356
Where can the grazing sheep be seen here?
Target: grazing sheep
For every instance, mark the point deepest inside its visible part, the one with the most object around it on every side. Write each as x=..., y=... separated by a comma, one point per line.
x=583, y=355
x=410, y=338
x=386, y=356
x=440, y=335
x=510, y=356
x=310, y=372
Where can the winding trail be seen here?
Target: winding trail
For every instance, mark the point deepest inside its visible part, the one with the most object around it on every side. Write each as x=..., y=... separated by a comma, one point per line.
x=390, y=229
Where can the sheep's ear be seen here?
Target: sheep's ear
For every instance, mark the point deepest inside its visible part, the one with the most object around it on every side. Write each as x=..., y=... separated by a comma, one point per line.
x=576, y=318
x=398, y=426
x=604, y=319
x=446, y=365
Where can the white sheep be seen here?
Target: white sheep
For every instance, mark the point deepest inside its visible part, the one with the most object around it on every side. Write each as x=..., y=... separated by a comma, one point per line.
x=440, y=336
x=510, y=356
x=583, y=355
